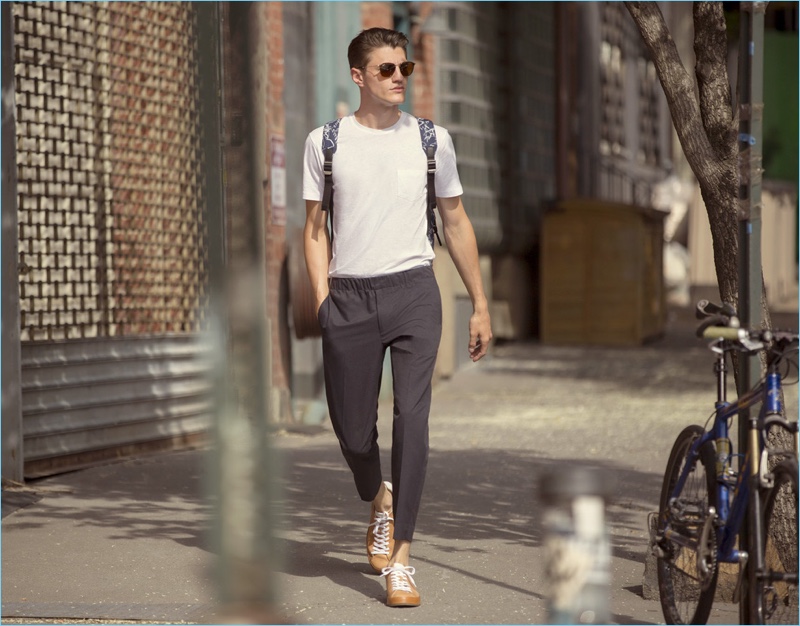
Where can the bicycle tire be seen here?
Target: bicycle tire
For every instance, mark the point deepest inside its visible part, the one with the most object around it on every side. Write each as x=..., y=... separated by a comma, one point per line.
x=778, y=600
x=686, y=597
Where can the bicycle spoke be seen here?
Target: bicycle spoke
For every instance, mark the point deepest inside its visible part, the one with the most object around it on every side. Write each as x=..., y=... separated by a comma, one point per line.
x=686, y=594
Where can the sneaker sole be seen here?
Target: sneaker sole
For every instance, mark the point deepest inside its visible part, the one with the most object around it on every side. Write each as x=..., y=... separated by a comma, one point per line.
x=400, y=605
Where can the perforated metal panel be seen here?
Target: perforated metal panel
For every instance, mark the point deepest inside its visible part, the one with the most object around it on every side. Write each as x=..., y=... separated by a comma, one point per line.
x=630, y=114
x=470, y=107
x=109, y=177
x=530, y=172
x=112, y=237
x=612, y=78
x=497, y=99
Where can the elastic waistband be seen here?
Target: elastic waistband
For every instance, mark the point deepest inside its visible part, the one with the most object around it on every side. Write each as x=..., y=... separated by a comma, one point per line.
x=400, y=279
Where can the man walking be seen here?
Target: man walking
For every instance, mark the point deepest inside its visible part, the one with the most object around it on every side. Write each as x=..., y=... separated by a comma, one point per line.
x=375, y=289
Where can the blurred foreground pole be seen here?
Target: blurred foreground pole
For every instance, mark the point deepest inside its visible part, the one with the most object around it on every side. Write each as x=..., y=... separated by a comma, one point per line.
x=243, y=466
x=577, y=548
x=751, y=114
x=11, y=437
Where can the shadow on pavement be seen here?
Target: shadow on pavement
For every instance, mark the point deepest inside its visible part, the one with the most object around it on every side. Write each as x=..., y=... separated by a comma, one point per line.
x=152, y=497
x=473, y=500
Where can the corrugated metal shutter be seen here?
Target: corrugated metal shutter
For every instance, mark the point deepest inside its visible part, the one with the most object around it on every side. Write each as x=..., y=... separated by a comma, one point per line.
x=87, y=400
x=113, y=277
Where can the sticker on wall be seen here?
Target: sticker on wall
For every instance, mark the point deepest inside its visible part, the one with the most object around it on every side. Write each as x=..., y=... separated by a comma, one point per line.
x=278, y=180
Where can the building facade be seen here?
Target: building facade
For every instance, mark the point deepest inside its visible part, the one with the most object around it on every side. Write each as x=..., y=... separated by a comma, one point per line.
x=154, y=148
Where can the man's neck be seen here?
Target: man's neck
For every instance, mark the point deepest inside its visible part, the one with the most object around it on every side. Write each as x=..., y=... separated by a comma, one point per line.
x=379, y=118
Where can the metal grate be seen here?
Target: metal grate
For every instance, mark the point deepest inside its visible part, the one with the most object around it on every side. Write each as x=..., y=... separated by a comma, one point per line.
x=649, y=90
x=112, y=238
x=630, y=120
x=529, y=173
x=623, y=59
x=470, y=71
x=612, y=78
x=495, y=81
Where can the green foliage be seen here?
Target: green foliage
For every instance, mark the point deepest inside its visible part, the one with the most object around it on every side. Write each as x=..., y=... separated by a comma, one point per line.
x=781, y=106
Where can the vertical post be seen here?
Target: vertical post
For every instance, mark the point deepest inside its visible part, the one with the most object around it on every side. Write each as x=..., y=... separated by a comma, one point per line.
x=243, y=465
x=12, y=438
x=564, y=80
x=751, y=112
x=577, y=547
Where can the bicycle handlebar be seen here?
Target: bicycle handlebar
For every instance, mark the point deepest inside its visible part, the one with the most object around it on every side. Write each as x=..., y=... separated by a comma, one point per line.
x=706, y=309
x=722, y=318
x=722, y=332
x=721, y=324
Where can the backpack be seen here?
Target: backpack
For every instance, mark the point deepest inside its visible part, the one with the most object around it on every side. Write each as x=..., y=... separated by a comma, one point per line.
x=330, y=136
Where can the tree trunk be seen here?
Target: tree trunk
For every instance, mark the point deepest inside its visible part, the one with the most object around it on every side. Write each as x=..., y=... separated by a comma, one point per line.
x=706, y=124
x=711, y=153
x=707, y=127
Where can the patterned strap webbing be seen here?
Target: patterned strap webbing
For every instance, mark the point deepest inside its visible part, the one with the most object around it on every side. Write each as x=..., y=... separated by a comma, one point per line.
x=330, y=137
x=428, y=136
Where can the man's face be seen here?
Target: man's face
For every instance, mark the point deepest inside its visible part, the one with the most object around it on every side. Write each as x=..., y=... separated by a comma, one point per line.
x=389, y=91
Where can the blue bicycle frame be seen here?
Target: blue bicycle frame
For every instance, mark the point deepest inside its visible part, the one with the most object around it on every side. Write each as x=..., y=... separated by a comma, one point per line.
x=714, y=493
x=733, y=498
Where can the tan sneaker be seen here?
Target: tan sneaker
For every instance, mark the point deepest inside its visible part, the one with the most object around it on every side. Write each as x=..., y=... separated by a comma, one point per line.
x=400, y=587
x=380, y=537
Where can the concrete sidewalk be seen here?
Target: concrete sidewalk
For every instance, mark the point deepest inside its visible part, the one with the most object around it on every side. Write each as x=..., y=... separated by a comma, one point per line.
x=128, y=541
x=119, y=541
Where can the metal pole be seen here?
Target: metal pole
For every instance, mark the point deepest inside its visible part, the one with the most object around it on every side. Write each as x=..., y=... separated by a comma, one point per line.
x=244, y=466
x=751, y=112
x=577, y=547
x=13, y=457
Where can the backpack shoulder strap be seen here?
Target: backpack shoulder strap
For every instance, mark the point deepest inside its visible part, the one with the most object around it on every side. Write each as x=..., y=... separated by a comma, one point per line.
x=330, y=137
x=427, y=134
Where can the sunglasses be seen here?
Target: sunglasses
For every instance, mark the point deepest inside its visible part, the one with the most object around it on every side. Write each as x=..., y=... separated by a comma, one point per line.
x=387, y=69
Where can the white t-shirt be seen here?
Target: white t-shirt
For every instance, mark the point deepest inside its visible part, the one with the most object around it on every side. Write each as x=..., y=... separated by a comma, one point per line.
x=380, y=194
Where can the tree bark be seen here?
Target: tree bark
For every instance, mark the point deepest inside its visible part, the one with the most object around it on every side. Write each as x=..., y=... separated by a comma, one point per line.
x=707, y=127
x=704, y=121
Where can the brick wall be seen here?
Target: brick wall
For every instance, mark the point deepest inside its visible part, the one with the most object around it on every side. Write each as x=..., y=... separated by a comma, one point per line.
x=236, y=130
x=377, y=14
x=253, y=116
x=271, y=21
x=380, y=14
x=425, y=55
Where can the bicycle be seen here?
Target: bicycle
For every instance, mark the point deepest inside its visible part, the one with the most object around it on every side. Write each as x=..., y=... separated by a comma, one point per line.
x=705, y=498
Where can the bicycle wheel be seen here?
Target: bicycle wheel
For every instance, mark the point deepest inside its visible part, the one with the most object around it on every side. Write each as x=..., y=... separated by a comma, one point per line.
x=777, y=595
x=686, y=583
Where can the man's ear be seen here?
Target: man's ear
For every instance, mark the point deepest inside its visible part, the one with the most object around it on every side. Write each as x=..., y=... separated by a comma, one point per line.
x=357, y=76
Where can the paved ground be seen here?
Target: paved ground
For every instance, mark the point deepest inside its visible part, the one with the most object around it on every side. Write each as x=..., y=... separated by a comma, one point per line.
x=128, y=541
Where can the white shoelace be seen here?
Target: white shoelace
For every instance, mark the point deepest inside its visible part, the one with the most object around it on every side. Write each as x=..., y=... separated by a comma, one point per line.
x=381, y=534
x=400, y=577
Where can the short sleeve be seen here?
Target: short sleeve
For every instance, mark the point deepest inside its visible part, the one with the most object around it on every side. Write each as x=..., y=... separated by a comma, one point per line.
x=448, y=183
x=313, y=177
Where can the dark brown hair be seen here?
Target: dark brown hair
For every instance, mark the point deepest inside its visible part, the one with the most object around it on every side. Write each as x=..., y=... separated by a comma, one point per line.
x=371, y=39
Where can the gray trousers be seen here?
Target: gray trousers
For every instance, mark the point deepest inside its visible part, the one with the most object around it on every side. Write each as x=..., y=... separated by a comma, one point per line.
x=360, y=318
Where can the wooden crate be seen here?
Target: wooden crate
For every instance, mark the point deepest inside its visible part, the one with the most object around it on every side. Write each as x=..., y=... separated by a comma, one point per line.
x=601, y=273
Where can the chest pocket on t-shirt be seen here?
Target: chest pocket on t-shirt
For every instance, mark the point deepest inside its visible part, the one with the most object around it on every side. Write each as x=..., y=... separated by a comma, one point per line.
x=411, y=184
